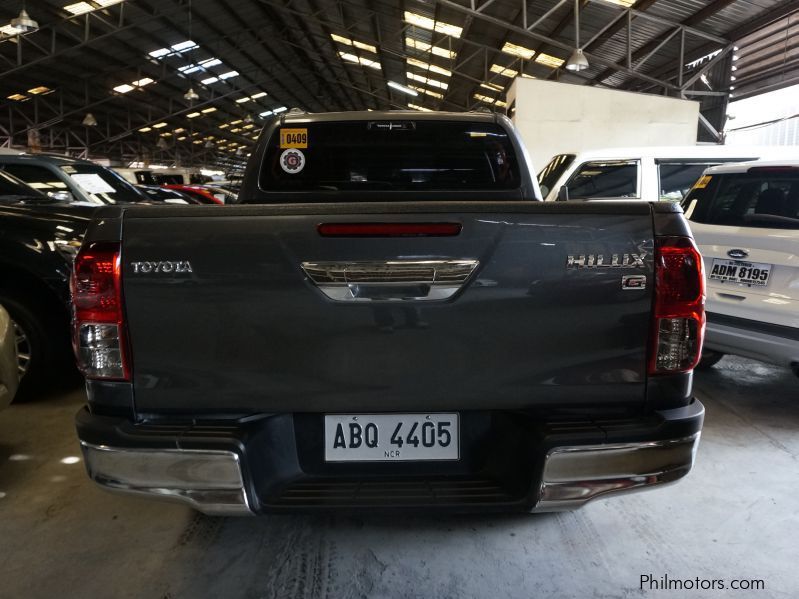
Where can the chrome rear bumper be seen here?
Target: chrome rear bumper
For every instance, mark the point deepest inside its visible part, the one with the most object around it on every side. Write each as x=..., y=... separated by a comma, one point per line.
x=575, y=475
x=208, y=480
x=211, y=481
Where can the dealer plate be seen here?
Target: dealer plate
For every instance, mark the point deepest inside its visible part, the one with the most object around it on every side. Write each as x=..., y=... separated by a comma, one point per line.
x=753, y=274
x=391, y=437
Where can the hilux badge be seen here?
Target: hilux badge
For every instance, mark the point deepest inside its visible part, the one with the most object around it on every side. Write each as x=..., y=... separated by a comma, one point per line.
x=602, y=261
x=162, y=266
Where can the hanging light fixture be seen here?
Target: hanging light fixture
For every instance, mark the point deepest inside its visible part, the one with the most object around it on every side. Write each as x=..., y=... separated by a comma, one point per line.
x=209, y=144
x=577, y=61
x=248, y=119
x=191, y=95
x=23, y=23
x=162, y=144
x=89, y=120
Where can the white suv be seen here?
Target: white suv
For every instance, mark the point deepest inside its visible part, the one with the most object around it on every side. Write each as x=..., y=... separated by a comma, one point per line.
x=745, y=218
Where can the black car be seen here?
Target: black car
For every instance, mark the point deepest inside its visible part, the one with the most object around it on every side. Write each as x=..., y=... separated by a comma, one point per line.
x=39, y=237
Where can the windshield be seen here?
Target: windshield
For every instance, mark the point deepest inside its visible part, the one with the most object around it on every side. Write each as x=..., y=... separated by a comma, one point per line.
x=399, y=155
x=102, y=185
x=764, y=198
x=12, y=188
x=552, y=172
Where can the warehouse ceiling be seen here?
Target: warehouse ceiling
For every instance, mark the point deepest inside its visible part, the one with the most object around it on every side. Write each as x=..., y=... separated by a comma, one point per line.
x=130, y=63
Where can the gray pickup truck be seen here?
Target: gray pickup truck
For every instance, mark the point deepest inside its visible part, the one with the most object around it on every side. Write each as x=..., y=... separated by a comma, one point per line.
x=392, y=319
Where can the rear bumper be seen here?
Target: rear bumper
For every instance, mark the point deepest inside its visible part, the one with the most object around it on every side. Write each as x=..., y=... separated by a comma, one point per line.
x=274, y=463
x=760, y=341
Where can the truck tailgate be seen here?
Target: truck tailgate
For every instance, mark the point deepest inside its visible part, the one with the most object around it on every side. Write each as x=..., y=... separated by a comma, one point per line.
x=247, y=330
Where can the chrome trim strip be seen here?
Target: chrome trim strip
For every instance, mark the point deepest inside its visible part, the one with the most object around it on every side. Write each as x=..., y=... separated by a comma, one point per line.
x=210, y=481
x=575, y=475
x=390, y=280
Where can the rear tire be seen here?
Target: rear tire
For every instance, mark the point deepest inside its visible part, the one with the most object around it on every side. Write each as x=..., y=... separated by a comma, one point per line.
x=42, y=341
x=709, y=359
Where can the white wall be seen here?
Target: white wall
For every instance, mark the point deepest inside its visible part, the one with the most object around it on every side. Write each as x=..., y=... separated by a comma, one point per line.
x=556, y=118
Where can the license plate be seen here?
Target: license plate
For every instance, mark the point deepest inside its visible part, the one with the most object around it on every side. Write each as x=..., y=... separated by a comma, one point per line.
x=391, y=437
x=753, y=274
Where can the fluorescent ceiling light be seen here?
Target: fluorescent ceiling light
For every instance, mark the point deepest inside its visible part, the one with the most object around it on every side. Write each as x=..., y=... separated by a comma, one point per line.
x=493, y=86
x=432, y=25
x=425, y=47
x=183, y=46
x=192, y=115
x=182, y=138
x=549, y=60
x=236, y=122
x=624, y=3
x=229, y=74
x=243, y=100
x=280, y=109
x=428, y=67
x=159, y=125
x=79, y=8
x=9, y=30
x=504, y=71
x=426, y=81
x=160, y=53
x=17, y=97
x=145, y=129
x=179, y=130
x=520, y=51
x=106, y=3
x=210, y=62
x=224, y=126
x=209, y=80
x=420, y=108
x=428, y=92
x=265, y=114
x=124, y=88
x=142, y=82
x=402, y=88
x=207, y=110
x=39, y=90
x=258, y=95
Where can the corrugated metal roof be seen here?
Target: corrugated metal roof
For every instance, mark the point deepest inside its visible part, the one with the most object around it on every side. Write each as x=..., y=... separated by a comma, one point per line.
x=286, y=50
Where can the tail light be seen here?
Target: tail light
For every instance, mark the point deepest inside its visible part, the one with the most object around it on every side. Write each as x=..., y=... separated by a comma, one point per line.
x=679, y=312
x=98, y=317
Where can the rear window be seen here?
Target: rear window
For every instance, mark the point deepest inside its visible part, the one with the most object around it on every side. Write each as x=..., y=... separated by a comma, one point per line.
x=400, y=155
x=605, y=179
x=766, y=199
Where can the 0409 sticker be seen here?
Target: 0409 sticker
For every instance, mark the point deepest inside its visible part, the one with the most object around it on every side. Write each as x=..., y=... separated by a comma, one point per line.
x=294, y=138
x=292, y=161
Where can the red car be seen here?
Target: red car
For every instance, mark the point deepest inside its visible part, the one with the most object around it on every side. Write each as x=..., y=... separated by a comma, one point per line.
x=196, y=191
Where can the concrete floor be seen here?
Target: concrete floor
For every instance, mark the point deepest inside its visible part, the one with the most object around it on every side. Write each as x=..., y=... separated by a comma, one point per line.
x=736, y=516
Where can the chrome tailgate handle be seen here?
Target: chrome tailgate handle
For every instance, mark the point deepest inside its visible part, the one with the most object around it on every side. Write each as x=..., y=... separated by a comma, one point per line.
x=390, y=280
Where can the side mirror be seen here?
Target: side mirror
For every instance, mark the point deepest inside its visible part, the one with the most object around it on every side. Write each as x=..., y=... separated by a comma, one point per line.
x=61, y=196
x=563, y=193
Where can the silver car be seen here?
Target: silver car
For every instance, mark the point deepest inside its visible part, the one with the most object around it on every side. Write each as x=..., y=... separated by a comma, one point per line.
x=9, y=367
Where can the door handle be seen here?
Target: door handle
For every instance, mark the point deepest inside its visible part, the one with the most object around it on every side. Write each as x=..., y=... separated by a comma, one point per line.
x=390, y=280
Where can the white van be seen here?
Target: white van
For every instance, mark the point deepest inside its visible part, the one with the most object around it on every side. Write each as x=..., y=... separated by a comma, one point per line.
x=645, y=173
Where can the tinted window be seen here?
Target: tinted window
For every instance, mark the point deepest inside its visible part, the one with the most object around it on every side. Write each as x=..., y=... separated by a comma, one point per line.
x=15, y=189
x=102, y=185
x=553, y=171
x=398, y=155
x=755, y=199
x=38, y=177
x=605, y=179
x=676, y=179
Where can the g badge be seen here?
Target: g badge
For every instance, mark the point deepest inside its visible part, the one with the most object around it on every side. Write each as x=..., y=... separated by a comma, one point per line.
x=292, y=161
